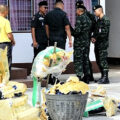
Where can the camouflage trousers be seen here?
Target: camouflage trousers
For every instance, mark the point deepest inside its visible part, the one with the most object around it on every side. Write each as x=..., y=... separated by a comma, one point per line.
x=101, y=58
x=81, y=61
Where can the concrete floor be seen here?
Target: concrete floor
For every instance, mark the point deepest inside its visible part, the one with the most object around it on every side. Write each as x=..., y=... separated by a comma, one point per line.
x=113, y=89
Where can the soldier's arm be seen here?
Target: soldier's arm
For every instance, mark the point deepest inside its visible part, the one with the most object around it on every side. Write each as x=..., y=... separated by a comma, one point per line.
x=47, y=25
x=94, y=35
x=67, y=29
x=33, y=26
x=47, y=30
x=35, y=44
x=93, y=19
x=78, y=28
x=105, y=28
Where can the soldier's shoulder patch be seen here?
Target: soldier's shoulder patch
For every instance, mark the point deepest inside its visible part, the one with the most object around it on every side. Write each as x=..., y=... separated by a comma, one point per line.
x=41, y=18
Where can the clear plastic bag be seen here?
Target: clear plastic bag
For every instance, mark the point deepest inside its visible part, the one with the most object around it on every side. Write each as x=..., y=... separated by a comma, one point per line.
x=50, y=62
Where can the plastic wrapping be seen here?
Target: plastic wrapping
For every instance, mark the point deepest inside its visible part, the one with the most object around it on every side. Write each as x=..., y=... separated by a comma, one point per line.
x=4, y=69
x=53, y=61
x=12, y=88
x=110, y=106
x=18, y=109
x=50, y=62
x=100, y=91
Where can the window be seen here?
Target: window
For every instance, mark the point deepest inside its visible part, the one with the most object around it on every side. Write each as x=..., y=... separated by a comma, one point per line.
x=50, y=5
x=69, y=7
x=21, y=11
x=3, y=2
x=20, y=14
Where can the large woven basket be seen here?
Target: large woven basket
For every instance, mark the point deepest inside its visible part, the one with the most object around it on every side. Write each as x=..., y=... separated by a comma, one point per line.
x=66, y=107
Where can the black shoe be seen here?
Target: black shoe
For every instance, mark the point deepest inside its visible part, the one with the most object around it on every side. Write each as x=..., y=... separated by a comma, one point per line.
x=86, y=79
x=104, y=79
x=99, y=78
x=80, y=78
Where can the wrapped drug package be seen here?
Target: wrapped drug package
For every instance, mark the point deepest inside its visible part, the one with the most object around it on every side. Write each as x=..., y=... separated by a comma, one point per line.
x=18, y=109
x=13, y=101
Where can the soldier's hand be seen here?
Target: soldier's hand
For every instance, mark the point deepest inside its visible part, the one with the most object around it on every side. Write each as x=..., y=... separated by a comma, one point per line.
x=35, y=44
x=93, y=40
x=70, y=43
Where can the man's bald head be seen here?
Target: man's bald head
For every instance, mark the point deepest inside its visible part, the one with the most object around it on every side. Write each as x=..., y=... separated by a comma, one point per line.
x=59, y=4
x=3, y=9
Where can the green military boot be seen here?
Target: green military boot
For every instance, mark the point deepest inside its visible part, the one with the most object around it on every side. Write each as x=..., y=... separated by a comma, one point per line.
x=80, y=78
x=99, y=78
x=86, y=79
x=104, y=79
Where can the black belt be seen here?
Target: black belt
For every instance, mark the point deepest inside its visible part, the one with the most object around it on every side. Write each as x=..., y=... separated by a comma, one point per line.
x=5, y=42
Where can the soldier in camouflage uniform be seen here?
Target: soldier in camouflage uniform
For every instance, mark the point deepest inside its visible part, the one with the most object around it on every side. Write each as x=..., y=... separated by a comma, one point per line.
x=81, y=44
x=101, y=40
x=93, y=20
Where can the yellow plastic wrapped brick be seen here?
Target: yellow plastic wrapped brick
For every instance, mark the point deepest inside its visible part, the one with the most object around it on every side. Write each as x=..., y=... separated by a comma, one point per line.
x=8, y=106
x=11, y=88
x=0, y=78
x=100, y=91
x=4, y=69
x=29, y=114
x=110, y=106
x=72, y=84
x=43, y=115
x=18, y=109
x=6, y=112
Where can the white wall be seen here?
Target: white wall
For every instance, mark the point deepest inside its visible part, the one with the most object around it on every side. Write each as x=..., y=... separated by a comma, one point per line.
x=102, y=2
x=113, y=11
x=22, y=51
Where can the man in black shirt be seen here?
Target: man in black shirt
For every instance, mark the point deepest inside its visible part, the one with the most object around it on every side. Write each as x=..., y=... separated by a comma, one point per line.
x=58, y=26
x=39, y=36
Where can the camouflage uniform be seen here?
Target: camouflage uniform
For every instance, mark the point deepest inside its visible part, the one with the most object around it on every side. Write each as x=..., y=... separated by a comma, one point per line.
x=81, y=45
x=102, y=42
x=93, y=20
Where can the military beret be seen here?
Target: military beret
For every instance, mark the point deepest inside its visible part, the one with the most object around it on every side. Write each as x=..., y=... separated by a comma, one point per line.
x=79, y=3
x=81, y=6
x=43, y=3
x=96, y=7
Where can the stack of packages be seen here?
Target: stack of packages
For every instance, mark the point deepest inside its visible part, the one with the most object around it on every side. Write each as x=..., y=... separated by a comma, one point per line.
x=71, y=86
x=13, y=101
x=99, y=102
